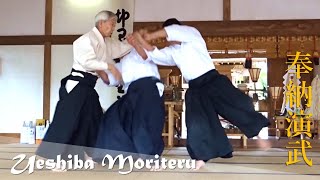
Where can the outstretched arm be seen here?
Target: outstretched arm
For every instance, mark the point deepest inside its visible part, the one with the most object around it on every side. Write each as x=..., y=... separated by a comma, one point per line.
x=132, y=40
x=180, y=33
x=161, y=33
x=160, y=57
x=143, y=43
x=115, y=72
x=109, y=78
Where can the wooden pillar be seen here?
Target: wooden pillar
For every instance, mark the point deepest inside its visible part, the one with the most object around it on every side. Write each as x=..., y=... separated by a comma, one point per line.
x=47, y=61
x=226, y=10
x=276, y=70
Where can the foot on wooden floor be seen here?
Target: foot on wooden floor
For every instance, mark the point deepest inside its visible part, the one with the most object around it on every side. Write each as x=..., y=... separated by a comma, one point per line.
x=199, y=164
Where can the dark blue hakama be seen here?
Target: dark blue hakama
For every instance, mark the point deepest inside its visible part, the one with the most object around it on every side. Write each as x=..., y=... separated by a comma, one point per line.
x=76, y=120
x=133, y=124
x=208, y=96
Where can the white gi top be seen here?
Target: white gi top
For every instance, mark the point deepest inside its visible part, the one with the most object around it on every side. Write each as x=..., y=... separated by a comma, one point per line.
x=191, y=57
x=132, y=68
x=92, y=52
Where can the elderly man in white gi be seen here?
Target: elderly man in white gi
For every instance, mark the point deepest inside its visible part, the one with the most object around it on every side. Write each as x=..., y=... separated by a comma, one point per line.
x=78, y=112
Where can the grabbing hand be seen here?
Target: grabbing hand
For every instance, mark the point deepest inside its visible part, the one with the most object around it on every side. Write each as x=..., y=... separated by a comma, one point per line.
x=137, y=36
x=142, y=41
x=116, y=74
x=131, y=40
x=103, y=76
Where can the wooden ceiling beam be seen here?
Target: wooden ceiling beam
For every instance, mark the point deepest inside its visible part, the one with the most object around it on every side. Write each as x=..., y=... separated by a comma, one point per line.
x=207, y=28
x=247, y=28
x=38, y=39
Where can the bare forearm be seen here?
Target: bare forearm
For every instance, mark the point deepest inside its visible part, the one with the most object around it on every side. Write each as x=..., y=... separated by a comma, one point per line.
x=141, y=51
x=157, y=34
x=143, y=43
x=103, y=75
x=146, y=45
x=132, y=39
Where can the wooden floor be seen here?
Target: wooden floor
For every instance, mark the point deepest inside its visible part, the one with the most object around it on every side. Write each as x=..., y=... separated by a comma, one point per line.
x=271, y=142
x=263, y=162
x=246, y=164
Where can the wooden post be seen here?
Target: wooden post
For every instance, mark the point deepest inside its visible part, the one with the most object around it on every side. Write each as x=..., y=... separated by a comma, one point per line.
x=47, y=61
x=226, y=10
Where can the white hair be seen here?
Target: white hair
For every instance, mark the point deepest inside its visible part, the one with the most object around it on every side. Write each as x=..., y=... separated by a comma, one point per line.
x=103, y=16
